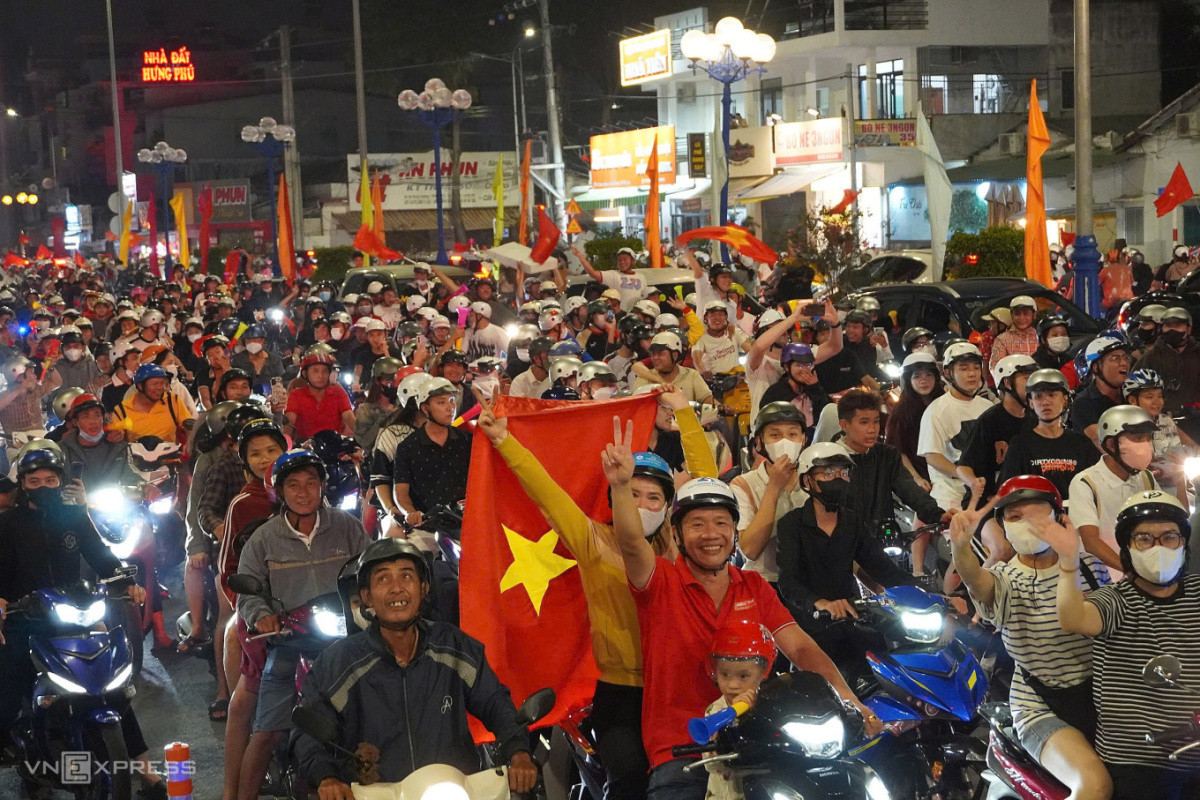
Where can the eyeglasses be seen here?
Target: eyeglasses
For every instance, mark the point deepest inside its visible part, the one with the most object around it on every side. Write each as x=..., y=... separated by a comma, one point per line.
x=830, y=473
x=1144, y=541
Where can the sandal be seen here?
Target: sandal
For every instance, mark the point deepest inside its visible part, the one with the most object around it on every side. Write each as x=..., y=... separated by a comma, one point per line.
x=189, y=644
x=218, y=710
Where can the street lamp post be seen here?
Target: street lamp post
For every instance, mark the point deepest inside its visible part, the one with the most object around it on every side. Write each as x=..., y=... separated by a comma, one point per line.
x=163, y=159
x=269, y=139
x=436, y=108
x=729, y=54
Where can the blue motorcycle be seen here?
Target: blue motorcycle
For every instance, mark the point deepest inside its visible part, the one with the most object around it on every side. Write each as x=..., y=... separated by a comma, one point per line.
x=68, y=735
x=926, y=687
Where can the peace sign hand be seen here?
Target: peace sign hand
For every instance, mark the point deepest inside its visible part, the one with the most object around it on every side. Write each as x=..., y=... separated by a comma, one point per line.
x=493, y=427
x=617, y=458
x=964, y=523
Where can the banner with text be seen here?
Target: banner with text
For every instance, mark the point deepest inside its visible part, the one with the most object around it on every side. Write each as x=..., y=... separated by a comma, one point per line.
x=809, y=141
x=645, y=58
x=230, y=198
x=407, y=179
x=885, y=133
x=750, y=152
x=619, y=159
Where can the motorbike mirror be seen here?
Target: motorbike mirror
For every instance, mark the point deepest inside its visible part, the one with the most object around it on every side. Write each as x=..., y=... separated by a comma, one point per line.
x=245, y=584
x=536, y=706
x=1162, y=671
x=315, y=725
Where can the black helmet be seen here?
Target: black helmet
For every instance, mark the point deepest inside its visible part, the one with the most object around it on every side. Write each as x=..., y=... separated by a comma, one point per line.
x=717, y=271
x=542, y=344
x=779, y=411
x=259, y=427
x=911, y=335
x=408, y=330
x=597, y=307
x=1044, y=326
x=215, y=419
x=385, y=368
x=46, y=458
x=458, y=357
x=242, y=416
x=635, y=334
x=390, y=549
x=230, y=375
x=861, y=317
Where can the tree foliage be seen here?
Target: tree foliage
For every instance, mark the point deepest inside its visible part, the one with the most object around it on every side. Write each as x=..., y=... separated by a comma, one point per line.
x=602, y=250
x=998, y=251
x=827, y=243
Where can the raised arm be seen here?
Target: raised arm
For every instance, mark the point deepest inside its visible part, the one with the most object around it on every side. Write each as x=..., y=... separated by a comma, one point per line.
x=980, y=583
x=587, y=265
x=762, y=345
x=445, y=279
x=636, y=552
x=1074, y=614
x=687, y=257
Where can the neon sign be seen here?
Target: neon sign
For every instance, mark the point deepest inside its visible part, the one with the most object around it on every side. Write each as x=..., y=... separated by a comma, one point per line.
x=168, y=66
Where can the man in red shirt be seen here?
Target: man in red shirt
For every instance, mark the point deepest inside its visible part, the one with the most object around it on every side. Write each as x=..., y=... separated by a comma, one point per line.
x=320, y=405
x=681, y=607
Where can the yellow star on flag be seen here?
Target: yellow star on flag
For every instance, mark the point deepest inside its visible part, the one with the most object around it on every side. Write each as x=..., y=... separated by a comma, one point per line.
x=534, y=565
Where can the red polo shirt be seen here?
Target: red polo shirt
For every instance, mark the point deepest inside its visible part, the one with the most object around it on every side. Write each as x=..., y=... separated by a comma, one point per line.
x=679, y=624
x=314, y=415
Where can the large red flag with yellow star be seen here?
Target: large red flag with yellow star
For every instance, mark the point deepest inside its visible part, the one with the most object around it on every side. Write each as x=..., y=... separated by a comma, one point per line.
x=735, y=236
x=520, y=592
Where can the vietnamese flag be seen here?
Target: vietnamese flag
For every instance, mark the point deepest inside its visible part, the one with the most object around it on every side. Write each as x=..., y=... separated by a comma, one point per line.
x=735, y=236
x=1177, y=191
x=43, y=253
x=653, y=234
x=548, y=236
x=519, y=590
x=369, y=243
x=80, y=261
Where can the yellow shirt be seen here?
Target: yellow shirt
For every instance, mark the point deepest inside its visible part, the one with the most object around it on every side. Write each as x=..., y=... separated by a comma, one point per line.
x=616, y=640
x=162, y=420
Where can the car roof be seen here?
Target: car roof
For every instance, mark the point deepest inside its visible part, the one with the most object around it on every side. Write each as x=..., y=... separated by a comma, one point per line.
x=654, y=277
x=404, y=272
x=967, y=288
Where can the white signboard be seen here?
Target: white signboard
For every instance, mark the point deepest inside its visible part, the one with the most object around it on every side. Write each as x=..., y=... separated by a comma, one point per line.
x=407, y=179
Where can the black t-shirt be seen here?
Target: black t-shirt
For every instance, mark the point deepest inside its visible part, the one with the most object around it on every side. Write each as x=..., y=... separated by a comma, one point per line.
x=1057, y=460
x=669, y=448
x=839, y=373
x=1087, y=407
x=992, y=426
x=365, y=357
x=435, y=474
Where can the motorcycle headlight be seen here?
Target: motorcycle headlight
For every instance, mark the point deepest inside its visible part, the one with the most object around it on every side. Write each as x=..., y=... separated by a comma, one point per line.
x=83, y=617
x=162, y=505
x=876, y=790
x=124, y=548
x=275, y=315
x=110, y=505
x=445, y=791
x=349, y=502
x=348, y=378
x=892, y=370
x=66, y=684
x=329, y=623
x=122, y=677
x=819, y=739
x=922, y=626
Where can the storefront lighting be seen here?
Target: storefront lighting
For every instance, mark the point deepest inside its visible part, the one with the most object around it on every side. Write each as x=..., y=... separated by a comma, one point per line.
x=7, y=199
x=813, y=112
x=982, y=189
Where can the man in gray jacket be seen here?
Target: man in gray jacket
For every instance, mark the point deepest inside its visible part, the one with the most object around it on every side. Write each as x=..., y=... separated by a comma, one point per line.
x=296, y=556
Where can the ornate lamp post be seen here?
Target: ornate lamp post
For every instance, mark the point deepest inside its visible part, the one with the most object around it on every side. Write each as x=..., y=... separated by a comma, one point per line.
x=269, y=138
x=727, y=55
x=436, y=108
x=163, y=159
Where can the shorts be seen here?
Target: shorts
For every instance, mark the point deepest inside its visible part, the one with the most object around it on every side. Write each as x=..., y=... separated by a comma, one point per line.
x=277, y=691
x=1036, y=734
x=254, y=658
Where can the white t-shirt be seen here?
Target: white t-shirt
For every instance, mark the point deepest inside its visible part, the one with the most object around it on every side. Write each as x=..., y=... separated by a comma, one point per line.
x=720, y=353
x=939, y=424
x=705, y=293
x=391, y=315
x=527, y=385
x=749, y=489
x=489, y=341
x=1099, y=508
x=629, y=284
x=760, y=379
x=622, y=367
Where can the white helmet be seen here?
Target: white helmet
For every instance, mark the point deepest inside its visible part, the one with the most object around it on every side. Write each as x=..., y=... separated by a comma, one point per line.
x=410, y=387
x=374, y=287
x=414, y=302
x=482, y=309
x=919, y=358
x=770, y=317
x=703, y=493
x=457, y=302
x=574, y=302
x=715, y=305
x=151, y=317
x=823, y=454
x=667, y=339
x=439, y=321
x=550, y=319
x=666, y=321
x=434, y=387
x=349, y=299
x=1011, y=365
x=372, y=324
x=428, y=312
x=960, y=351
x=647, y=307
x=564, y=367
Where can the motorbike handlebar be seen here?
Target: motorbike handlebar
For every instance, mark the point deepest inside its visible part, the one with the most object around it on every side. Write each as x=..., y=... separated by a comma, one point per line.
x=686, y=750
x=1188, y=730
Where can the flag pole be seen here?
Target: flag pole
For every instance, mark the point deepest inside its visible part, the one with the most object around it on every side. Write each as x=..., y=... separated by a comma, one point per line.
x=1087, y=257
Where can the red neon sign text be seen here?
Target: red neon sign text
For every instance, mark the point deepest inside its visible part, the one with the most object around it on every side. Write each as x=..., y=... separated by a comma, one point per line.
x=163, y=66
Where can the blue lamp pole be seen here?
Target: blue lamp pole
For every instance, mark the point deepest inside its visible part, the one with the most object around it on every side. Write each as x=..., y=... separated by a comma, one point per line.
x=163, y=159
x=269, y=139
x=729, y=54
x=436, y=108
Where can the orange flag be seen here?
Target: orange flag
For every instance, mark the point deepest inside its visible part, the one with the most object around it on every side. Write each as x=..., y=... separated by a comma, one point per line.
x=520, y=592
x=79, y=260
x=1178, y=190
x=43, y=252
x=653, y=234
x=737, y=236
x=1037, y=246
x=377, y=208
x=283, y=228
x=523, y=230
x=369, y=243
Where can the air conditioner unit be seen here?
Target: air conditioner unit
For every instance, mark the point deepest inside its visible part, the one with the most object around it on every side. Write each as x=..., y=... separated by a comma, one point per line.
x=1188, y=124
x=1012, y=144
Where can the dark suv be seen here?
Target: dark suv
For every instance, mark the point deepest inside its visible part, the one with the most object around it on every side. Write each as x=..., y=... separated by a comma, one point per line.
x=958, y=305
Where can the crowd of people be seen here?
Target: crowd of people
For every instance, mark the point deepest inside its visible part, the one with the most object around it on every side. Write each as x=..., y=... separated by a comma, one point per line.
x=315, y=437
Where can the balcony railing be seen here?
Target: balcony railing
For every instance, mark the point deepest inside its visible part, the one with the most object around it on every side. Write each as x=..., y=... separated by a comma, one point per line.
x=813, y=17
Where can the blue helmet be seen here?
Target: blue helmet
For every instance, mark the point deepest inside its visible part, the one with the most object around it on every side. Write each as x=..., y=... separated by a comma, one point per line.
x=255, y=331
x=147, y=371
x=567, y=347
x=1098, y=348
x=294, y=459
x=1141, y=379
x=560, y=392
x=801, y=353
x=650, y=465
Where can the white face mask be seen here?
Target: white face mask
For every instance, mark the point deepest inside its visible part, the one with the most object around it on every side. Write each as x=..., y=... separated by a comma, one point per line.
x=253, y=348
x=1058, y=344
x=784, y=447
x=652, y=520
x=1022, y=538
x=929, y=349
x=193, y=337
x=336, y=334
x=603, y=393
x=1159, y=564
x=73, y=353
x=523, y=354
x=488, y=385
x=1136, y=455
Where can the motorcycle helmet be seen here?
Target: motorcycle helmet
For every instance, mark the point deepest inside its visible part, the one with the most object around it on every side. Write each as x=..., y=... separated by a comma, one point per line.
x=800, y=353
x=341, y=473
x=63, y=400
x=741, y=640
x=651, y=465
x=1141, y=379
x=214, y=421
x=1153, y=504
x=31, y=460
x=229, y=376
x=259, y=427
x=910, y=337
x=1047, y=379
x=567, y=347
x=1011, y=366
x=703, y=493
x=1024, y=489
x=560, y=392
x=1107, y=342
x=293, y=460
x=147, y=371
x=83, y=402
x=385, y=369
x=390, y=549
x=563, y=367
x=410, y=387
x=243, y=415
x=823, y=454
x=1122, y=419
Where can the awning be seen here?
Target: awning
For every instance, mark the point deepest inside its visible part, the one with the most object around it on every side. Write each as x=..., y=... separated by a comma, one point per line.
x=702, y=188
x=474, y=219
x=789, y=181
x=611, y=198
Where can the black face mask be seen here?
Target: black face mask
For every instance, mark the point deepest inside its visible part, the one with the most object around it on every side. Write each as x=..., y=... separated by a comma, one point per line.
x=389, y=392
x=1147, y=335
x=832, y=493
x=1173, y=338
x=45, y=496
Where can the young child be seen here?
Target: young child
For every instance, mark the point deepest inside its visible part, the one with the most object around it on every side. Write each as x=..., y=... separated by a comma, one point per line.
x=741, y=658
x=1144, y=388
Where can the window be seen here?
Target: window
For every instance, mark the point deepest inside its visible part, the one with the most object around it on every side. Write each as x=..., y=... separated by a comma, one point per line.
x=937, y=90
x=1066, y=78
x=986, y=89
x=1134, y=230
x=889, y=91
x=823, y=101
x=771, y=98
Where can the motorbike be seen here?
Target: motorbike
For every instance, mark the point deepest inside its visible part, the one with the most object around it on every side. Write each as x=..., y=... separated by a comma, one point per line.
x=576, y=731
x=791, y=745
x=1011, y=771
x=925, y=686
x=127, y=525
x=83, y=686
x=440, y=780
x=441, y=528
x=341, y=455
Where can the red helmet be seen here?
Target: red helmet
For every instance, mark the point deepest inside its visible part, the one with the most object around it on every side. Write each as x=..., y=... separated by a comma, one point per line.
x=404, y=372
x=83, y=402
x=318, y=358
x=741, y=640
x=1026, y=488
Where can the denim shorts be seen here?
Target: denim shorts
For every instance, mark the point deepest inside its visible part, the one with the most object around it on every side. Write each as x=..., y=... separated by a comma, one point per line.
x=1036, y=734
x=277, y=690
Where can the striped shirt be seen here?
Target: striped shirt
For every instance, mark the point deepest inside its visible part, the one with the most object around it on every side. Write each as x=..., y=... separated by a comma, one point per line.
x=1136, y=626
x=1025, y=608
